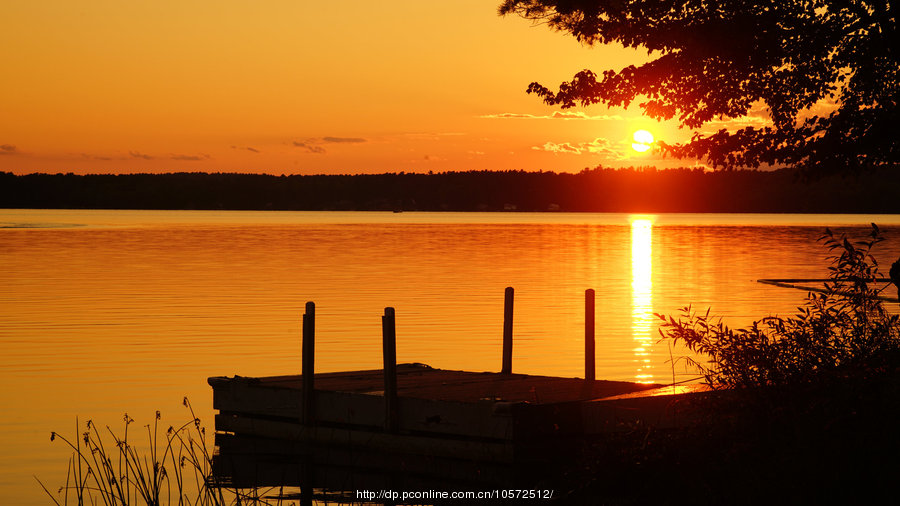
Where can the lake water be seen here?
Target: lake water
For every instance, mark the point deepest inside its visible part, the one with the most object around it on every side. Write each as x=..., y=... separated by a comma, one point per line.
x=108, y=312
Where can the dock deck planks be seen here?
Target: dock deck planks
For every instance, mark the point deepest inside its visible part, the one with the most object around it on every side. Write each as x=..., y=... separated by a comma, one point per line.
x=422, y=382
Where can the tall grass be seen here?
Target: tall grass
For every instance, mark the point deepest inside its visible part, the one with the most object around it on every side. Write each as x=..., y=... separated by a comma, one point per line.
x=846, y=331
x=172, y=468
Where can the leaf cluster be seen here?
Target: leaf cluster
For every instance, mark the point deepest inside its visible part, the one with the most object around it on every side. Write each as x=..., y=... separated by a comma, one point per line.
x=726, y=59
x=845, y=331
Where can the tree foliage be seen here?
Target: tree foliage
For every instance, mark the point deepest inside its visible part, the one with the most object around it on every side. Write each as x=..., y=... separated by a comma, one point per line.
x=826, y=72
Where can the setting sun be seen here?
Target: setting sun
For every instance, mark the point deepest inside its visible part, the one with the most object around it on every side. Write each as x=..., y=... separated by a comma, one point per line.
x=643, y=141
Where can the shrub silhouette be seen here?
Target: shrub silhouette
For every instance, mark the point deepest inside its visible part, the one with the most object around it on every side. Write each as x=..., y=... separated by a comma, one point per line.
x=844, y=332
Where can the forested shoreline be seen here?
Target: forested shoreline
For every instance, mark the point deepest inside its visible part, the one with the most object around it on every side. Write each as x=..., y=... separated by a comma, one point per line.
x=591, y=190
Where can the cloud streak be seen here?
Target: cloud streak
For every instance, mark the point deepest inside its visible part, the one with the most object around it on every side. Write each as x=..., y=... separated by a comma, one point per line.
x=310, y=148
x=598, y=146
x=715, y=125
x=8, y=149
x=100, y=158
x=564, y=115
x=428, y=136
x=757, y=117
x=142, y=156
x=189, y=158
x=565, y=147
x=605, y=147
x=314, y=145
x=343, y=140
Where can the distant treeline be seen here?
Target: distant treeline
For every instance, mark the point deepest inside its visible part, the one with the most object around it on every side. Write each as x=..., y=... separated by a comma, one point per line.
x=595, y=190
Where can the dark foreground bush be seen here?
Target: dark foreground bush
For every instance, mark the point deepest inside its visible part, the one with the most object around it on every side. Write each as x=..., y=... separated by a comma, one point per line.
x=841, y=332
x=803, y=409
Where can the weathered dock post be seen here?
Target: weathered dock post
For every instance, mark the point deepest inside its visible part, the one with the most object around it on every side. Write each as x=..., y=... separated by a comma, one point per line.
x=309, y=373
x=389, y=341
x=589, y=367
x=507, y=331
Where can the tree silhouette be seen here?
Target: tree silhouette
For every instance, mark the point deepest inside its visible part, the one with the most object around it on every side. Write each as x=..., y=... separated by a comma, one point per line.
x=826, y=71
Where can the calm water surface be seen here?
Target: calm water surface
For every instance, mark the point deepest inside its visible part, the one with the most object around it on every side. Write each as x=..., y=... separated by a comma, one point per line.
x=107, y=312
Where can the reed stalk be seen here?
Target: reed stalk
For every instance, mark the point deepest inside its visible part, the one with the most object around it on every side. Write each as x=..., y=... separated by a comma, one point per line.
x=174, y=469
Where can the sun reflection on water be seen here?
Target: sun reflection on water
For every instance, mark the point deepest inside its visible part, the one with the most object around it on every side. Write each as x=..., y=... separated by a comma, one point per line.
x=642, y=296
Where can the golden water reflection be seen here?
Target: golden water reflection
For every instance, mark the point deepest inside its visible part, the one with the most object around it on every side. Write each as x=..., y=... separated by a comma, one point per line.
x=107, y=312
x=642, y=295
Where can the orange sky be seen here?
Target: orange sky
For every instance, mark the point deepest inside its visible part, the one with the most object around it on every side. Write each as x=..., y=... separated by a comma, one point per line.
x=287, y=87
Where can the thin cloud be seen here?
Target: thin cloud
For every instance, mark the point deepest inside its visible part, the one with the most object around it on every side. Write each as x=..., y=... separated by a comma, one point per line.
x=8, y=149
x=310, y=148
x=189, y=158
x=757, y=117
x=513, y=115
x=142, y=156
x=100, y=158
x=564, y=115
x=350, y=140
x=313, y=145
x=582, y=115
x=604, y=147
x=565, y=147
x=823, y=107
x=431, y=136
x=745, y=121
x=246, y=148
x=598, y=146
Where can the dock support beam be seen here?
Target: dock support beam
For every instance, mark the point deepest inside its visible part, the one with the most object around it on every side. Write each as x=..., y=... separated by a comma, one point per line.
x=309, y=353
x=507, y=331
x=389, y=341
x=589, y=366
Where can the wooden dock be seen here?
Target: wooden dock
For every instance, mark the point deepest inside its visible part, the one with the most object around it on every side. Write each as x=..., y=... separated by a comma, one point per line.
x=413, y=419
x=495, y=411
x=455, y=430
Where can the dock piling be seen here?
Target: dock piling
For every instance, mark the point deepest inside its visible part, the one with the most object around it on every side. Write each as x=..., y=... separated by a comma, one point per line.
x=507, y=331
x=389, y=341
x=308, y=372
x=589, y=349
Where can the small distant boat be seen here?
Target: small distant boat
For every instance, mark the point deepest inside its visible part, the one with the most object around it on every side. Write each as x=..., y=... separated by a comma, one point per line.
x=794, y=283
